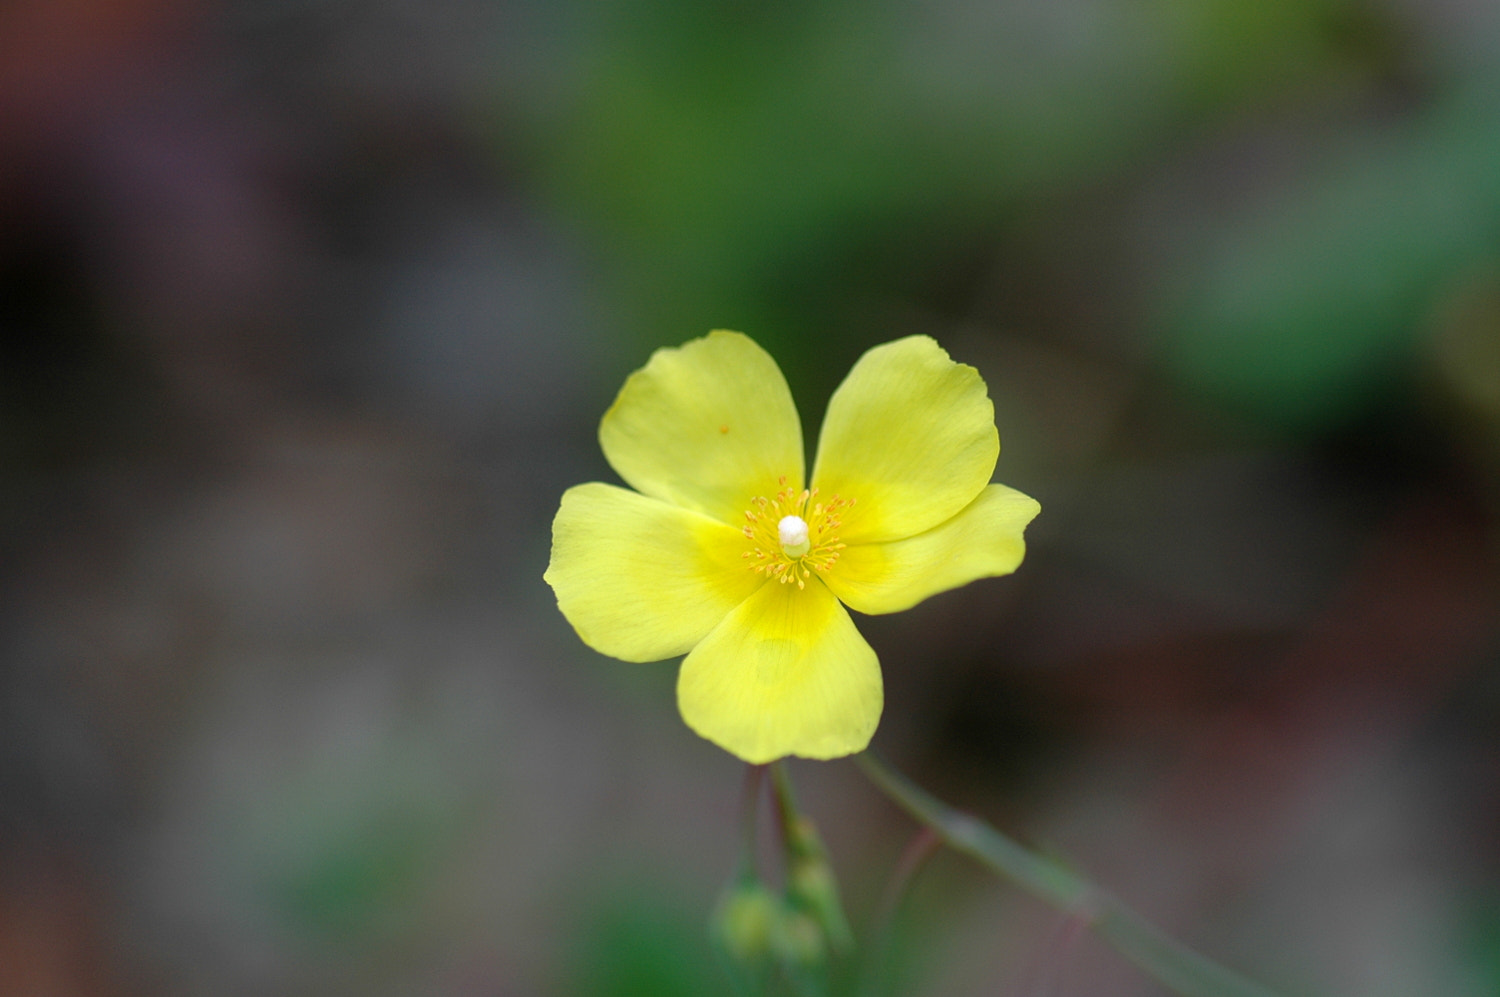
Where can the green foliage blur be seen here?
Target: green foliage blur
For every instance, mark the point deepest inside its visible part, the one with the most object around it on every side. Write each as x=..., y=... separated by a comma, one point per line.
x=1270, y=197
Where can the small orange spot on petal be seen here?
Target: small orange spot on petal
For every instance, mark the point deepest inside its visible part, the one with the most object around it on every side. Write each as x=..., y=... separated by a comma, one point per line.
x=723, y=429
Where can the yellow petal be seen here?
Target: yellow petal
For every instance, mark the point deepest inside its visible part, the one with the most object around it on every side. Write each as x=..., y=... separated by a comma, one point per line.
x=706, y=426
x=982, y=541
x=640, y=579
x=910, y=436
x=786, y=673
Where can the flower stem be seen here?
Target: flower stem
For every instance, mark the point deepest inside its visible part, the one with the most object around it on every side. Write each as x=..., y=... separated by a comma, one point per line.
x=1173, y=964
x=879, y=959
x=1043, y=976
x=749, y=814
x=785, y=799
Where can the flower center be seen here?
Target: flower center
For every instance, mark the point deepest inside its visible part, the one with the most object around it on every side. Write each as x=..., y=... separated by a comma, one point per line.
x=793, y=534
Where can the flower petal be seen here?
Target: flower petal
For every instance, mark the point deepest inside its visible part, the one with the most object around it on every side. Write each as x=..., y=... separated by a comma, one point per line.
x=910, y=435
x=982, y=541
x=640, y=579
x=786, y=673
x=706, y=426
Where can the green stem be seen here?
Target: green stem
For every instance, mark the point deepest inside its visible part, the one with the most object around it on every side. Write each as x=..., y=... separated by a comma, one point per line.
x=786, y=800
x=749, y=814
x=1173, y=964
x=879, y=959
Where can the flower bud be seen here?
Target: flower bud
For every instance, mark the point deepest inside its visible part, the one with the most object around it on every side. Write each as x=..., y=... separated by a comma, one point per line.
x=747, y=921
x=811, y=886
x=799, y=942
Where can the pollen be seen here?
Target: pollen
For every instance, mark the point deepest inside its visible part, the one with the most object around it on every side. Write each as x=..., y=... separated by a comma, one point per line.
x=793, y=534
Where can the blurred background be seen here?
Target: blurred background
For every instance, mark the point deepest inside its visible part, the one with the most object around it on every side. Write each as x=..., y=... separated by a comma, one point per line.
x=310, y=309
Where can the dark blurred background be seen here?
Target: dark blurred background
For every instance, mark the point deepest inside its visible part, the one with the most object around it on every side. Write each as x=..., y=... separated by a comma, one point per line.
x=310, y=309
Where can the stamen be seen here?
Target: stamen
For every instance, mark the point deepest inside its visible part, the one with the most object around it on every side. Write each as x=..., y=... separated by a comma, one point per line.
x=804, y=538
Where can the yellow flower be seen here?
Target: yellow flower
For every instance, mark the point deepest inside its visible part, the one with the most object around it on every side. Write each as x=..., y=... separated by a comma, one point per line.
x=721, y=554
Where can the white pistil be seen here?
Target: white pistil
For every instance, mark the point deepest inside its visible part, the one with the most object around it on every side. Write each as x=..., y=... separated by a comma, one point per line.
x=793, y=534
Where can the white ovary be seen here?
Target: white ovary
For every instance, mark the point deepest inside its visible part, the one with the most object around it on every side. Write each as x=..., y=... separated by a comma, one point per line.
x=792, y=531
